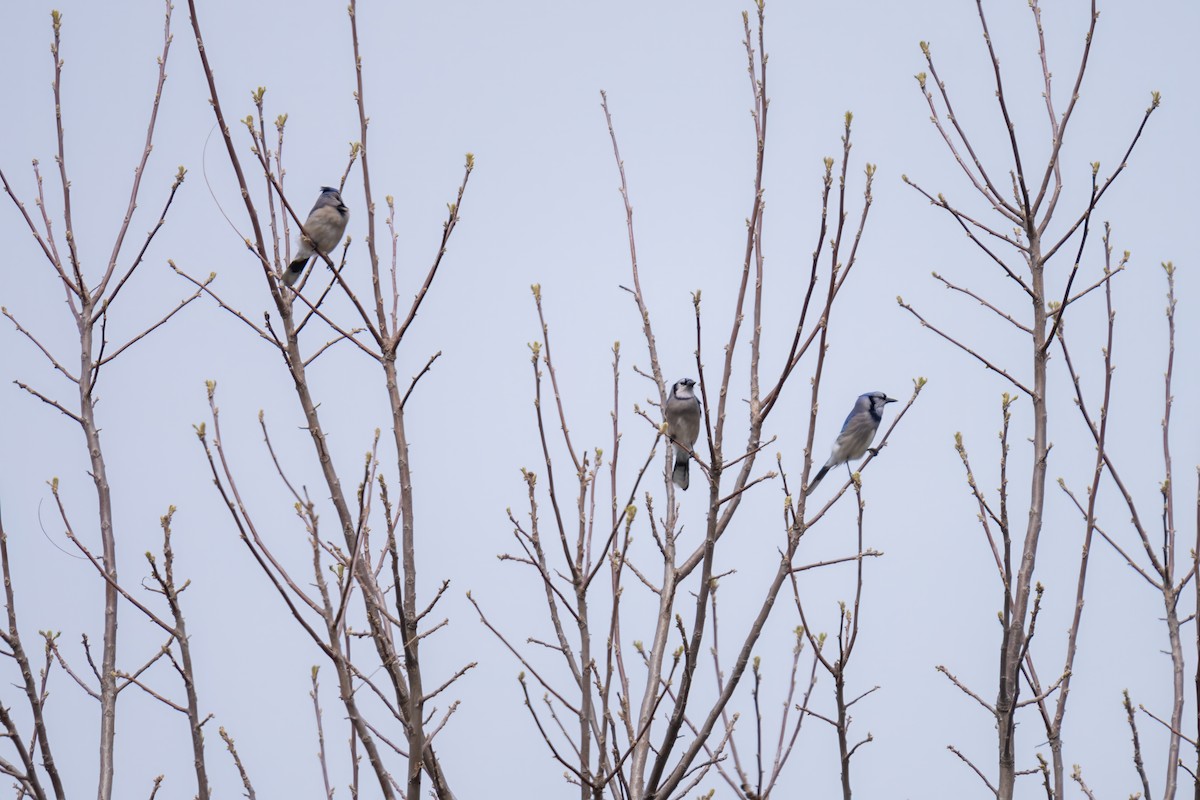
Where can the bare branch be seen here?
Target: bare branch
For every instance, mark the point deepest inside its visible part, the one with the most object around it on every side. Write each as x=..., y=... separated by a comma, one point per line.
x=418, y=377
x=229, y=745
x=1154, y=102
x=974, y=769
x=50, y=402
x=965, y=690
x=984, y=303
x=182, y=303
x=39, y=346
x=965, y=349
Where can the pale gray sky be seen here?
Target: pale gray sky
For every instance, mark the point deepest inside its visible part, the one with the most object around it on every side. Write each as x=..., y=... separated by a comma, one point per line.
x=517, y=85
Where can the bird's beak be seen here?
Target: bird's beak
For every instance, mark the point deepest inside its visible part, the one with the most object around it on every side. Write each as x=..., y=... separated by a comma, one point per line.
x=889, y=400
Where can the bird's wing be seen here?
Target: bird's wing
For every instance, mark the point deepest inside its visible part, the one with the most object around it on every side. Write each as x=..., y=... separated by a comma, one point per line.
x=855, y=437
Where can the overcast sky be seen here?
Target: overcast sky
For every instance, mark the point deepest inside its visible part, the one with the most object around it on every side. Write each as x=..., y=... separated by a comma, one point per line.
x=518, y=85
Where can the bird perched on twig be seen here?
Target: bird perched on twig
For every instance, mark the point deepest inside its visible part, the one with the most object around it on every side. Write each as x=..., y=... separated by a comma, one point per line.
x=858, y=431
x=683, y=426
x=322, y=231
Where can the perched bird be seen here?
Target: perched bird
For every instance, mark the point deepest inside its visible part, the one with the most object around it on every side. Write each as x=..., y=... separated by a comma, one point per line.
x=857, y=433
x=683, y=426
x=324, y=227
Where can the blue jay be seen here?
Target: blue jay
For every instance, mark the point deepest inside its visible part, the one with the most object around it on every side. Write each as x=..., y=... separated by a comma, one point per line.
x=683, y=426
x=325, y=225
x=858, y=431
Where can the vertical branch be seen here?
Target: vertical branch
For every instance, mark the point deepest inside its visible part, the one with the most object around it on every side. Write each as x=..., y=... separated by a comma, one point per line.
x=237, y=761
x=166, y=583
x=753, y=230
x=1170, y=600
x=420, y=753
x=1055, y=731
x=1196, y=583
x=61, y=158
x=847, y=636
x=614, y=667
x=831, y=293
x=1137, y=745
x=280, y=124
x=363, y=122
x=321, y=735
x=743, y=780
x=28, y=783
x=146, y=148
x=1160, y=570
x=643, y=311
x=758, y=750
x=36, y=699
x=1058, y=128
x=641, y=746
x=85, y=317
x=1026, y=209
x=1171, y=591
x=99, y=473
x=783, y=752
x=761, y=104
x=1167, y=486
x=258, y=245
x=265, y=157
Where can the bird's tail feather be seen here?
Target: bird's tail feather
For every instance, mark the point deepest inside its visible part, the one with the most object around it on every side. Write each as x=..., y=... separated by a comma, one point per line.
x=680, y=474
x=816, y=480
x=293, y=271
